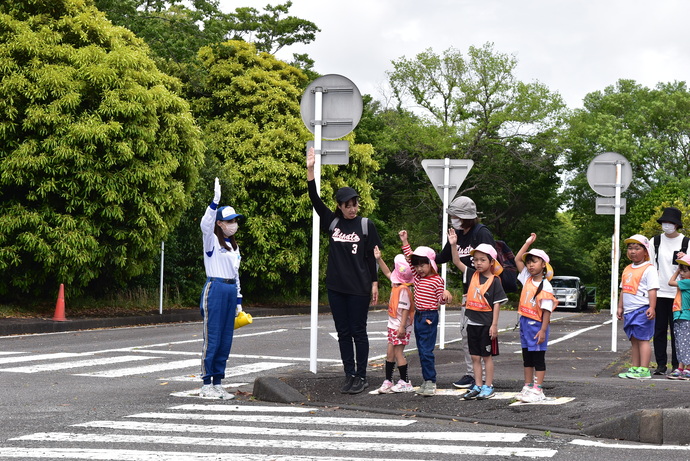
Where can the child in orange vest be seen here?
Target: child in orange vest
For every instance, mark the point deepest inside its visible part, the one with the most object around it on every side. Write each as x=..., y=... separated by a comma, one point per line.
x=400, y=315
x=681, y=317
x=484, y=298
x=637, y=304
x=537, y=301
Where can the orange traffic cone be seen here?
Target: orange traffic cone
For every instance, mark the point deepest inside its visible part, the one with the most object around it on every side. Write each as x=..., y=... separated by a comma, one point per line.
x=60, y=306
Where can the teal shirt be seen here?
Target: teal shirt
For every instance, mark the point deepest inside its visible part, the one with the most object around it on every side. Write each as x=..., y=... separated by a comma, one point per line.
x=684, y=287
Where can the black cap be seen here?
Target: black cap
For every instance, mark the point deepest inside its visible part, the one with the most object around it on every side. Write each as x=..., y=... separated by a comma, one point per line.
x=671, y=215
x=344, y=194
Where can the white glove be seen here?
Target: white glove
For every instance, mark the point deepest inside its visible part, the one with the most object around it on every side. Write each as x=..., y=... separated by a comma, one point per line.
x=239, y=306
x=216, y=192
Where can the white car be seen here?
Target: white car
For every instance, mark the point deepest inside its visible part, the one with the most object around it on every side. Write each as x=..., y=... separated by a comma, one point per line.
x=570, y=292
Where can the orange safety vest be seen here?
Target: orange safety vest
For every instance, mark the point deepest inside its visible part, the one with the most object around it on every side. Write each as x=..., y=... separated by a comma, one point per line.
x=395, y=297
x=678, y=302
x=529, y=304
x=476, y=300
x=632, y=276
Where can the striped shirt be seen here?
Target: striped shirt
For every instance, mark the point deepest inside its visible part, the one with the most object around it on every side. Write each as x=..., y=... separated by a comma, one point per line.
x=428, y=291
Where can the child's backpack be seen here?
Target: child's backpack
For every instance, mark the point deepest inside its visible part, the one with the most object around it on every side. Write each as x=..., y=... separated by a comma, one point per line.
x=509, y=275
x=506, y=258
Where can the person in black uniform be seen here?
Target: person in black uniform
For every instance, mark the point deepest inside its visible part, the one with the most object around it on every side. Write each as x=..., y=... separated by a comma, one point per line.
x=351, y=277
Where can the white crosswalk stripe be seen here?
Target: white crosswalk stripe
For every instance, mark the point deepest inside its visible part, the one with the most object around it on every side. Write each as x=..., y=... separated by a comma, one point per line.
x=264, y=433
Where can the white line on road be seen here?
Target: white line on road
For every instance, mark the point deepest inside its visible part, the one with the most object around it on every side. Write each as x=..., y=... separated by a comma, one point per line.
x=250, y=368
x=294, y=444
x=76, y=364
x=572, y=334
x=277, y=419
x=34, y=358
x=119, y=373
x=302, y=434
x=136, y=455
x=246, y=408
x=628, y=446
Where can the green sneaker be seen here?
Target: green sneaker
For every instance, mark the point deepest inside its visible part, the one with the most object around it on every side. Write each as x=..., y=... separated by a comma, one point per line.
x=642, y=373
x=627, y=374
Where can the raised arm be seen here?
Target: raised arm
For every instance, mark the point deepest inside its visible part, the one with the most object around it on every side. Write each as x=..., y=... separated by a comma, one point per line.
x=453, y=243
x=382, y=264
x=518, y=257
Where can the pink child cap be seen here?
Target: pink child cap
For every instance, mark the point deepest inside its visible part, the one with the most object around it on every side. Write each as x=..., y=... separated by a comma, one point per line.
x=539, y=253
x=402, y=272
x=429, y=253
x=486, y=249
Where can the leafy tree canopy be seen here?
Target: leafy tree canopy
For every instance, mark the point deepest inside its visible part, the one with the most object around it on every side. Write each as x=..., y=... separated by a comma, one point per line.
x=473, y=107
x=98, y=153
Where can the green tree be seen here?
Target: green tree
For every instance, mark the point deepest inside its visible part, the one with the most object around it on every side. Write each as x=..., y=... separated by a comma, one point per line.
x=251, y=119
x=176, y=29
x=649, y=127
x=98, y=153
x=473, y=107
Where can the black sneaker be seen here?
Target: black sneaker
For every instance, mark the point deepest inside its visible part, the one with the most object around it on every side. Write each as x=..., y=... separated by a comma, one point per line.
x=473, y=393
x=660, y=371
x=358, y=385
x=346, y=384
x=465, y=382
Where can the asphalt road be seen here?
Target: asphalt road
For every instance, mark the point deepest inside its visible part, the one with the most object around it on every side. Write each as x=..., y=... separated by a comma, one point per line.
x=128, y=394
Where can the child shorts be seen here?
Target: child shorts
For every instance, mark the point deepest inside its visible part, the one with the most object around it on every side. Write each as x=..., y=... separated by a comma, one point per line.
x=528, y=330
x=478, y=340
x=394, y=340
x=637, y=325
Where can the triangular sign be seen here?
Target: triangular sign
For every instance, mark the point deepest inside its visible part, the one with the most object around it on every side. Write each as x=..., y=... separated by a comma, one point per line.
x=458, y=171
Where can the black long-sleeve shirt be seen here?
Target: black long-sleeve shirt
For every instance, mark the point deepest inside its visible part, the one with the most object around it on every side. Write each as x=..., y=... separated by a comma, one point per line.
x=351, y=265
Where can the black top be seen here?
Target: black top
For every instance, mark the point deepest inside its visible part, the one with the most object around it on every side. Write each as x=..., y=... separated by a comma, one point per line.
x=466, y=242
x=351, y=265
x=493, y=295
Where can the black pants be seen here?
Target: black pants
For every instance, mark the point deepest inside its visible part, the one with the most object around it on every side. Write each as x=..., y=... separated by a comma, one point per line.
x=662, y=322
x=350, y=314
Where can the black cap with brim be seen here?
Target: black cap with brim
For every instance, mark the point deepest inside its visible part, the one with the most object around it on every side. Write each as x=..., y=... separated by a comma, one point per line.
x=345, y=194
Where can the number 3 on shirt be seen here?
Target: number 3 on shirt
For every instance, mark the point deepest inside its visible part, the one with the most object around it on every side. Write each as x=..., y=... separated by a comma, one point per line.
x=354, y=248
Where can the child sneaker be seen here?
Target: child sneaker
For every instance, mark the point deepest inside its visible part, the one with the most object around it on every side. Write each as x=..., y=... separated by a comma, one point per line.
x=626, y=374
x=486, y=393
x=686, y=374
x=534, y=394
x=222, y=393
x=641, y=373
x=524, y=390
x=676, y=374
x=208, y=391
x=386, y=387
x=402, y=386
x=474, y=392
x=428, y=390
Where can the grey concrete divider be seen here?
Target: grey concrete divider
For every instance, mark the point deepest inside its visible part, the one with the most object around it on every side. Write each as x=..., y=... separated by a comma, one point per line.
x=667, y=426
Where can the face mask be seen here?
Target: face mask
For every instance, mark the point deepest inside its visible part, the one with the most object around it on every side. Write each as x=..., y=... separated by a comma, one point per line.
x=456, y=222
x=668, y=228
x=229, y=229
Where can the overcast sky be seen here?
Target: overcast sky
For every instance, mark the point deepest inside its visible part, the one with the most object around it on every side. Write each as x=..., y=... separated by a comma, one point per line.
x=573, y=47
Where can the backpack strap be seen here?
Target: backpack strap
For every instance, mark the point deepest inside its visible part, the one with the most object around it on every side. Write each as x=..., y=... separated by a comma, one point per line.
x=365, y=225
x=684, y=245
x=657, y=243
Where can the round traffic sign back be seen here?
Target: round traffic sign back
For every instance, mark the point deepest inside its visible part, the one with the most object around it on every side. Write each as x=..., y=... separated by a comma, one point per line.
x=341, y=106
x=601, y=173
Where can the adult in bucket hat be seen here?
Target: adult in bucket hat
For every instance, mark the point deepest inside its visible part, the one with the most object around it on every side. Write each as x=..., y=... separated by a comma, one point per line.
x=351, y=276
x=663, y=254
x=462, y=212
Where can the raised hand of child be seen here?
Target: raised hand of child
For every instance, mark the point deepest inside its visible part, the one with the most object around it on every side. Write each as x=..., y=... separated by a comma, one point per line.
x=403, y=236
x=531, y=239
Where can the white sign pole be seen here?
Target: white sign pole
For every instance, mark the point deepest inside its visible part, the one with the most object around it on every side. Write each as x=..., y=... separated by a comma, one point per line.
x=616, y=259
x=444, y=239
x=316, y=223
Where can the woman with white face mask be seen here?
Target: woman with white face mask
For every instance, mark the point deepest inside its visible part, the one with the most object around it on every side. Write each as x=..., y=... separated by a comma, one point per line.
x=663, y=254
x=221, y=299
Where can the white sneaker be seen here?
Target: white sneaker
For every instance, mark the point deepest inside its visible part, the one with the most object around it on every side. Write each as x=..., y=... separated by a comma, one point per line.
x=385, y=387
x=522, y=393
x=208, y=391
x=535, y=394
x=402, y=386
x=222, y=393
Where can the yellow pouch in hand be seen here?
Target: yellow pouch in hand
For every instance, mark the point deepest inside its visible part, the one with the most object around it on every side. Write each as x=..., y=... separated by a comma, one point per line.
x=242, y=319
